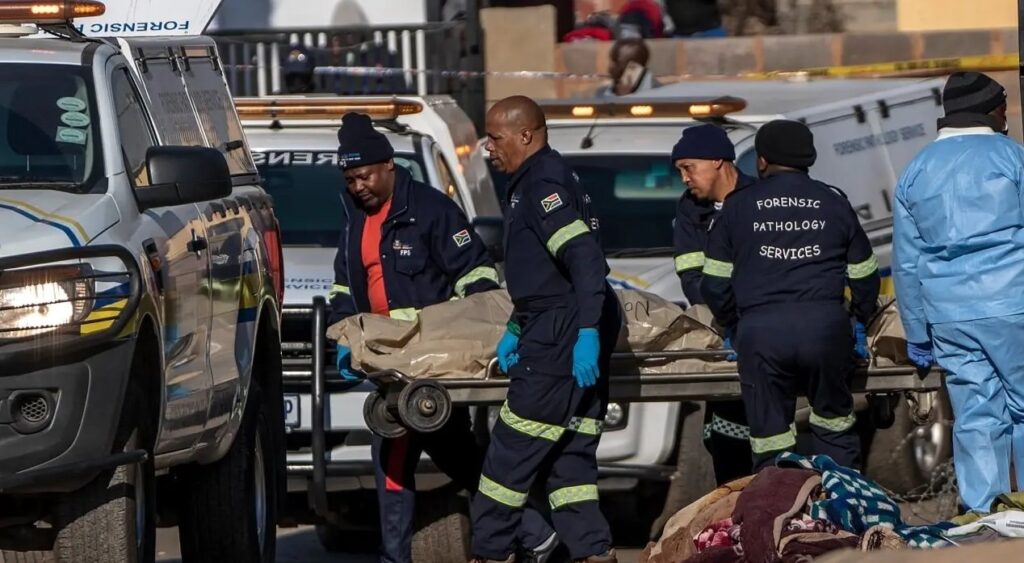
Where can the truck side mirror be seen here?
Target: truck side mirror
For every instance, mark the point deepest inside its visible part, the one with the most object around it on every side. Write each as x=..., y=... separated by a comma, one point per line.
x=492, y=232
x=182, y=175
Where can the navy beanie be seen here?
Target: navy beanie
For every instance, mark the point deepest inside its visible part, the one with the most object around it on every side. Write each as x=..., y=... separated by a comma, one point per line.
x=359, y=144
x=704, y=142
x=972, y=92
x=786, y=143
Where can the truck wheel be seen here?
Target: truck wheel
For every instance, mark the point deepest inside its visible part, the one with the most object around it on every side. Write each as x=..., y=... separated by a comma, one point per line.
x=905, y=457
x=229, y=509
x=695, y=472
x=442, y=527
x=113, y=518
x=338, y=540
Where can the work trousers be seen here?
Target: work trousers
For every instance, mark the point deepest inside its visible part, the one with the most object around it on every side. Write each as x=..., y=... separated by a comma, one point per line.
x=985, y=379
x=792, y=348
x=727, y=439
x=454, y=450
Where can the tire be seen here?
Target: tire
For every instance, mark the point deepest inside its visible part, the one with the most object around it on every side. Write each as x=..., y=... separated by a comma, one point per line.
x=905, y=457
x=338, y=540
x=228, y=509
x=26, y=556
x=695, y=471
x=105, y=521
x=442, y=528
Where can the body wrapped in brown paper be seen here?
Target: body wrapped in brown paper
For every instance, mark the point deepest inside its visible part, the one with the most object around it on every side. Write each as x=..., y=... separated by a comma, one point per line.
x=456, y=339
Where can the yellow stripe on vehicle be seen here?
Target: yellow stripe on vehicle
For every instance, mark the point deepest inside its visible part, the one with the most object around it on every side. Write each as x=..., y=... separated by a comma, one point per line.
x=475, y=275
x=774, y=443
x=103, y=318
x=836, y=424
x=861, y=270
x=565, y=234
x=717, y=268
x=500, y=493
x=570, y=495
x=48, y=215
x=689, y=261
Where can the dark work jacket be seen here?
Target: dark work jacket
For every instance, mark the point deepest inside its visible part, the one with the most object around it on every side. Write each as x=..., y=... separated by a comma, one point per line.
x=429, y=254
x=788, y=239
x=694, y=218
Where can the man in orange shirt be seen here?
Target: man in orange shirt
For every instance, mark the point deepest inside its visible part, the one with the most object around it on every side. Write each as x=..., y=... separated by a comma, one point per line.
x=407, y=246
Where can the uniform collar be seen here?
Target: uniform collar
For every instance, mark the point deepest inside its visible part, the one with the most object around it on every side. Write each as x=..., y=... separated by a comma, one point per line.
x=518, y=175
x=949, y=132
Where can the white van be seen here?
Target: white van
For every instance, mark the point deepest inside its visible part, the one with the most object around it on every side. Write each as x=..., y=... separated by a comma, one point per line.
x=140, y=293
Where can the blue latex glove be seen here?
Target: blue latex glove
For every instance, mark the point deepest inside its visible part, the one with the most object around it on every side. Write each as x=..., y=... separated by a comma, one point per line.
x=345, y=364
x=507, y=356
x=727, y=344
x=584, y=358
x=860, y=343
x=920, y=354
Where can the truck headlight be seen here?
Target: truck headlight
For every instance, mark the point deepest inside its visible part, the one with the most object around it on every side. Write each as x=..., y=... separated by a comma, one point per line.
x=41, y=300
x=615, y=417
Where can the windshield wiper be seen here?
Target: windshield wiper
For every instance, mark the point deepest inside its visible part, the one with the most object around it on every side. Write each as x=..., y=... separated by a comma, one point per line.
x=641, y=252
x=15, y=182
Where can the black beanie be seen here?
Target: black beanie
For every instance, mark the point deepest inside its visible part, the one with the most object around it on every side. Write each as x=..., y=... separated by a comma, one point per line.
x=359, y=144
x=786, y=143
x=704, y=142
x=972, y=92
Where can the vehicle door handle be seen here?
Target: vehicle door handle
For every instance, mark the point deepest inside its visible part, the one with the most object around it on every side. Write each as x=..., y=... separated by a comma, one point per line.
x=197, y=245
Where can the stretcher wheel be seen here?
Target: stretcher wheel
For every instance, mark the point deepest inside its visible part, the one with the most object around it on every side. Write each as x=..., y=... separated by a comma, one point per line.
x=424, y=406
x=379, y=420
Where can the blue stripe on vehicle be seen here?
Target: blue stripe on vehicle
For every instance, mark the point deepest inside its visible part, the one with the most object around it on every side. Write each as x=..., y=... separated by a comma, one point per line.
x=67, y=230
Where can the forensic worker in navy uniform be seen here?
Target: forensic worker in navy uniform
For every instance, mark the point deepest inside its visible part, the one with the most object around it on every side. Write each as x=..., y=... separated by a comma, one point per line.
x=704, y=157
x=556, y=350
x=778, y=262
x=406, y=246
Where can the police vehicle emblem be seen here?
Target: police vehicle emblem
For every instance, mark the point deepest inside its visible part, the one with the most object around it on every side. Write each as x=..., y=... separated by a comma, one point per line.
x=461, y=238
x=551, y=203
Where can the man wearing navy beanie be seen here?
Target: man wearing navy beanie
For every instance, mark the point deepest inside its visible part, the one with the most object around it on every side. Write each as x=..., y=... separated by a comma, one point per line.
x=406, y=246
x=704, y=157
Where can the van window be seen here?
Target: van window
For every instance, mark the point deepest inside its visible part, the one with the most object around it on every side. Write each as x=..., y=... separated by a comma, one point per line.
x=136, y=136
x=306, y=187
x=48, y=132
x=448, y=184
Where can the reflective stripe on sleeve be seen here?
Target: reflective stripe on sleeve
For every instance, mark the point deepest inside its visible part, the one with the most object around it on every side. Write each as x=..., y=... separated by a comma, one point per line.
x=569, y=495
x=338, y=289
x=717, y=268
x=565, y=234
x=863, y=269
x=774, y=443
x=689, y=261
x=475, y=275
x=837, y=424
x=533, y=428
x=501, y=494
x=407, y=314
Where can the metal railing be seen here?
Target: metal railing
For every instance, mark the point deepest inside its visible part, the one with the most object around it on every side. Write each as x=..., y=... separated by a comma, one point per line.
x=253, y=60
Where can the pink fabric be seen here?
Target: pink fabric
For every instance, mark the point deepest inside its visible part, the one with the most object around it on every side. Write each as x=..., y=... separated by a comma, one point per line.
x=715, y=535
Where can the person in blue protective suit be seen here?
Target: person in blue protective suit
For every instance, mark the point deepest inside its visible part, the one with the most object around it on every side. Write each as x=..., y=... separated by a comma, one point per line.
x=557, y=349
x=958, y=268
x=407, y=246
x=778, y=262
x=704, y=157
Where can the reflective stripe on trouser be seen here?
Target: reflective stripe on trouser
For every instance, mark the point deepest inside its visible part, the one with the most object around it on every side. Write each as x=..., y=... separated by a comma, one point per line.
x=454, y=450
x=985, y=380
x=727, y=439
x=521, y=447
x=775, y=361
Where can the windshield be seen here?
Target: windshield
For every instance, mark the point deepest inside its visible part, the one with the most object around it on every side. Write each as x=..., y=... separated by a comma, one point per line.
x=306, y=190
x=47, y=128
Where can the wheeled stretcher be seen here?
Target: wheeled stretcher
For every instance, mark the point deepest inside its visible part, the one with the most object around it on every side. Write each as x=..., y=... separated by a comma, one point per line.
x=443, y=371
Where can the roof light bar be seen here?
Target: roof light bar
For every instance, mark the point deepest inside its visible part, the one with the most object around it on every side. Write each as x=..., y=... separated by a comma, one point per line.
x=664, y=109
x=52, y=11
x=306, y=108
